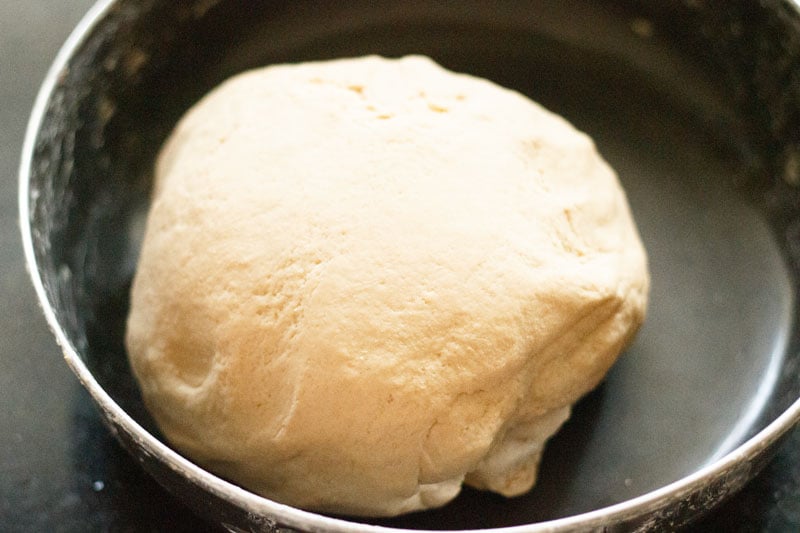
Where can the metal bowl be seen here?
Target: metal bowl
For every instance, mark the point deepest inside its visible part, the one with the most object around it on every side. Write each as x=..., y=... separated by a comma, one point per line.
x=697, y=108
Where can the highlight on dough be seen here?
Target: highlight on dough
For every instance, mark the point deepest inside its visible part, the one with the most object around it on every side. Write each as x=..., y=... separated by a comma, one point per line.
x=365, y=282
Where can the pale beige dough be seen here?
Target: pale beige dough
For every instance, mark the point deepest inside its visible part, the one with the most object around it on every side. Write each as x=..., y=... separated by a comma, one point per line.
x=366, y=281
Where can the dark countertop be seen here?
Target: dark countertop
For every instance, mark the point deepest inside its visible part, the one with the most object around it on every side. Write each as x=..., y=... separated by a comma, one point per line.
x=60, y=470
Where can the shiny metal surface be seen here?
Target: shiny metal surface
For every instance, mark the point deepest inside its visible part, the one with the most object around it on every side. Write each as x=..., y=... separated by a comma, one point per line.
x=709, y=171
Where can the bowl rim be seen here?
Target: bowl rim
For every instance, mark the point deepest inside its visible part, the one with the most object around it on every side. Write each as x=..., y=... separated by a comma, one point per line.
x=277, y=514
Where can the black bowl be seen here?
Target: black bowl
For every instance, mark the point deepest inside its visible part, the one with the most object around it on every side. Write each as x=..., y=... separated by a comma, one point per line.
x=697, y=108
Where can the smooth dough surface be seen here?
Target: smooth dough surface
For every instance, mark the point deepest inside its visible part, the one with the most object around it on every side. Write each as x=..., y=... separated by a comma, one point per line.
x=366, y=281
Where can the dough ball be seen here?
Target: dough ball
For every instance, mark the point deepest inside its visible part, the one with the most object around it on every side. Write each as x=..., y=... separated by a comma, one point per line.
x=367, y=281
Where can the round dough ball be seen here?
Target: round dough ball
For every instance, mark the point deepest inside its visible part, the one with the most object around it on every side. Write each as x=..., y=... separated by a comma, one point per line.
x=366, y=281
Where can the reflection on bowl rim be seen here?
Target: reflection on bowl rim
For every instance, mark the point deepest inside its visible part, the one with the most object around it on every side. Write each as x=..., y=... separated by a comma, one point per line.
x=733, y=466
